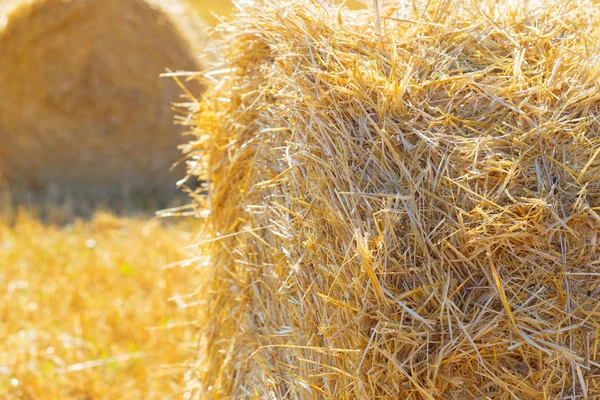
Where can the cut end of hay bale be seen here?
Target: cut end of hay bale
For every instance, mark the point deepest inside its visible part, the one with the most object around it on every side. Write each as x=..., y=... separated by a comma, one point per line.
x=81, y=100
x=403, y=202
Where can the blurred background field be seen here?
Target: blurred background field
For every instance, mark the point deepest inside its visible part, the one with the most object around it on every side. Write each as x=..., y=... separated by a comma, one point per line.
x=211, y=10
x=93, y=304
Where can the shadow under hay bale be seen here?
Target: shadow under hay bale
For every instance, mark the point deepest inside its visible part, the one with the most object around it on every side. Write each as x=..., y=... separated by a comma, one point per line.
x=59, y=205
x=404, y=203
x=82, y=106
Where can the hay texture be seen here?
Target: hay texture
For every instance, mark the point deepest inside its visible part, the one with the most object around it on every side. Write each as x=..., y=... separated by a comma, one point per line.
x=81, y=100
x=403, y=203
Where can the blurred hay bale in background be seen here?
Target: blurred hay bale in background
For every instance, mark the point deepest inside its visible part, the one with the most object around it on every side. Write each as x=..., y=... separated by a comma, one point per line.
x=82, y=106
x=403, y=202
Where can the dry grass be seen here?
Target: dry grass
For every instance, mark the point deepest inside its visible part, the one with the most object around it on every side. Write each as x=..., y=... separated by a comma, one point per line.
x=403, y=203
x=84, y=310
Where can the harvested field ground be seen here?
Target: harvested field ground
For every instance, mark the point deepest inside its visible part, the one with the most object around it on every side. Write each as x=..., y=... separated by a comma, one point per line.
x=85, y=312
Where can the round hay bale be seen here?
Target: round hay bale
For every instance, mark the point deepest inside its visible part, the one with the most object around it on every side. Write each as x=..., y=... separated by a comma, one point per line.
x=403, y=203
x=81, y=101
